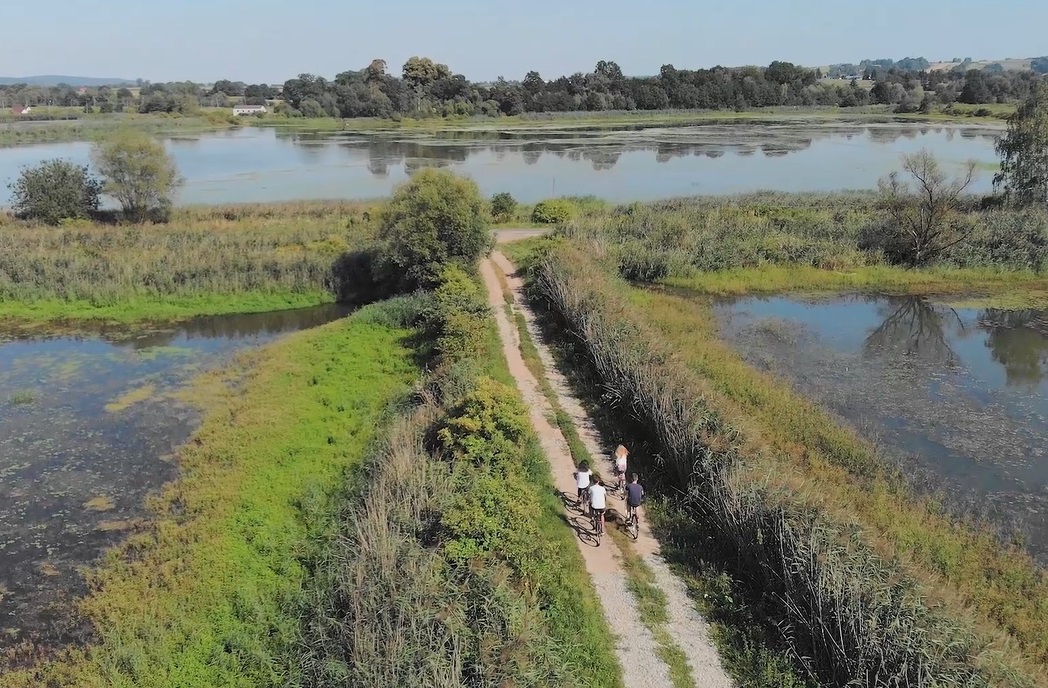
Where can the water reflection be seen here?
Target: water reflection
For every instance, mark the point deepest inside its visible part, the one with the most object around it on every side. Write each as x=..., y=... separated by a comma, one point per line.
x=1018, y=340
x=912, y=330
x=634, y=163
x=958, y=396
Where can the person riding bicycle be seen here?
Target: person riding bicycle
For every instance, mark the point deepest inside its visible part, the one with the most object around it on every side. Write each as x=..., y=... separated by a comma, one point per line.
x=619, y=456
x=582, y=481
x=598, y=497
x=634, y=496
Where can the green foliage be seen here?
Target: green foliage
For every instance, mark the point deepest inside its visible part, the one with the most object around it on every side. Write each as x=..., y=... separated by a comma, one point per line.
x=457, y=320
x=217, y=259
x=209, y=595
x=485, y=426
x=552, y=212
x=55, y=190
x=1024, y=151
x=503, y=206
x=435, y=219
x=810, y=542
x=678, y=238
x=926, y=221
x=138, y=173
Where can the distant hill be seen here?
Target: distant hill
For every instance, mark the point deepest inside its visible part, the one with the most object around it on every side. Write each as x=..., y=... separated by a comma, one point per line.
x=54, y=80
x=1006, y=64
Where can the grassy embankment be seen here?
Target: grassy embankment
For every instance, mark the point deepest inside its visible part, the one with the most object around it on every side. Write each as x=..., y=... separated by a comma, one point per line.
x=961, y=606
x=472, y=575
x=206, y=595
x=82, y=127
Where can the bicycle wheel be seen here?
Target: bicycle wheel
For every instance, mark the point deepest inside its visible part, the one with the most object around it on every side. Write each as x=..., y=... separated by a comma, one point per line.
x=634, y=527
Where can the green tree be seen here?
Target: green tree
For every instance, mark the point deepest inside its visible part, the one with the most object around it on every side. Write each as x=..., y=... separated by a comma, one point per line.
x=923, y=222
x=1024, y=151
x=138, y=173
x=55, y=190
x=434, y=220
x=503, y=205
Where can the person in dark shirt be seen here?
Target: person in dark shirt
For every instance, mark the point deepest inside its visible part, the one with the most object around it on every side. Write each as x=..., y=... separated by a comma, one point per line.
x=634, y=495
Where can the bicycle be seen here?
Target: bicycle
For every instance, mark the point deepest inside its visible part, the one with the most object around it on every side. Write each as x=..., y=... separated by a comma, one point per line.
x=598, y=524
x=632, y=522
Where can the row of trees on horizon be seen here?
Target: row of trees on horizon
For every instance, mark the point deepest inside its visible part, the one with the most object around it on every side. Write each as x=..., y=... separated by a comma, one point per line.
x=427, y=88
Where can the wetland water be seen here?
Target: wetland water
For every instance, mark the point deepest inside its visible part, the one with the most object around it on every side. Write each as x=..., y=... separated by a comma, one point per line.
x=624, y=164
x=88, y=425
x=959, y=396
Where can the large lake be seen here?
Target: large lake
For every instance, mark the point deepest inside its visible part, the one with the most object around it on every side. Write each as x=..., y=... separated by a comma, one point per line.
x=260, y=164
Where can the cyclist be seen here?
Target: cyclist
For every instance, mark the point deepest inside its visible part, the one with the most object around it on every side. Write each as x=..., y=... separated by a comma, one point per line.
x=582, y=482
x=634, y=496
x=598, y=496
x=619, y=457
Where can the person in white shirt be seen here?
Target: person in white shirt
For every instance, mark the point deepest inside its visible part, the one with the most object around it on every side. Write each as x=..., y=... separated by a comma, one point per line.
x=582, y=482
x=619, y=457
x=598, y=496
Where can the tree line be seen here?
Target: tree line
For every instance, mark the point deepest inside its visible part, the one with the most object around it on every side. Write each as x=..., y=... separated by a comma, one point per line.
x=424, y=88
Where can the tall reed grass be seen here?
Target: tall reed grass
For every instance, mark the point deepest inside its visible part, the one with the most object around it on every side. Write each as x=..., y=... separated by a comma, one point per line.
x=677, y=237
x=286, y=248
x=851, y=613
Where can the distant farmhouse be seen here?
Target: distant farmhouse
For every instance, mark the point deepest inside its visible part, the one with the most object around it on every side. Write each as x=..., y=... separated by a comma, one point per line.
x=241, y=110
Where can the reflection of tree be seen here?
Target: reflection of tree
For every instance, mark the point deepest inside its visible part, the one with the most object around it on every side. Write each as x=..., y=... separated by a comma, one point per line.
x=913, y=330
x=602, y=158
x=1018, y=340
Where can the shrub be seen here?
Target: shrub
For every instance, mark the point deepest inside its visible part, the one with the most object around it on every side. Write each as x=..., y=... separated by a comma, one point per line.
x=139, y=174
x=55, y=190
x=503, y=205
x=552, y=212
x=435, y=219
x=456, y=319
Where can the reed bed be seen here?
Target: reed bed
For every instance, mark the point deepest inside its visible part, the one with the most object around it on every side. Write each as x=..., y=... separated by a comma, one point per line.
x=287, y=248
x=851, y=612
x=679, y=237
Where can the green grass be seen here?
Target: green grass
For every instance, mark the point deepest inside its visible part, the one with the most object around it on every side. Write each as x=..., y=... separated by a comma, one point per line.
x=223, y=259
x=38, y=314
x=23, y=398
x=773, y=478
x=789, y=436
x=1014, y=289
x=206, y=596
x=95, y=127
x=743, y=643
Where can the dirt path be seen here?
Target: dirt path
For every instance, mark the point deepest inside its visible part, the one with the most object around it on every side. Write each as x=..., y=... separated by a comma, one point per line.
x=637, y=648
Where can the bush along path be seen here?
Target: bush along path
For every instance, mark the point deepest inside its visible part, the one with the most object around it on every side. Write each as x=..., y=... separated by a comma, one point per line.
x=662, y=639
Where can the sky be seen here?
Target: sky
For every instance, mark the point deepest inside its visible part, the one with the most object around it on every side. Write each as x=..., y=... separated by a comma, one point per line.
x=273, y=40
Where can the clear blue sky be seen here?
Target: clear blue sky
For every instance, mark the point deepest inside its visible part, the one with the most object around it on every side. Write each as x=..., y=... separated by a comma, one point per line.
x=273, y=40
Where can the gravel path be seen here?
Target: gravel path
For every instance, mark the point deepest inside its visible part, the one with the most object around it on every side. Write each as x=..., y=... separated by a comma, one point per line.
x=636, y=646
x=686, y=625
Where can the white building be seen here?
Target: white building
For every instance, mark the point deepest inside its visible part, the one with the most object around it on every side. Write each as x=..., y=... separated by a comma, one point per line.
x=240, y=110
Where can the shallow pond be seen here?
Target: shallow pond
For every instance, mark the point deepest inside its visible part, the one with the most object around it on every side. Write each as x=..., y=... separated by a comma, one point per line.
x=958, y=396
x=87, y=426
x=624, y=164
